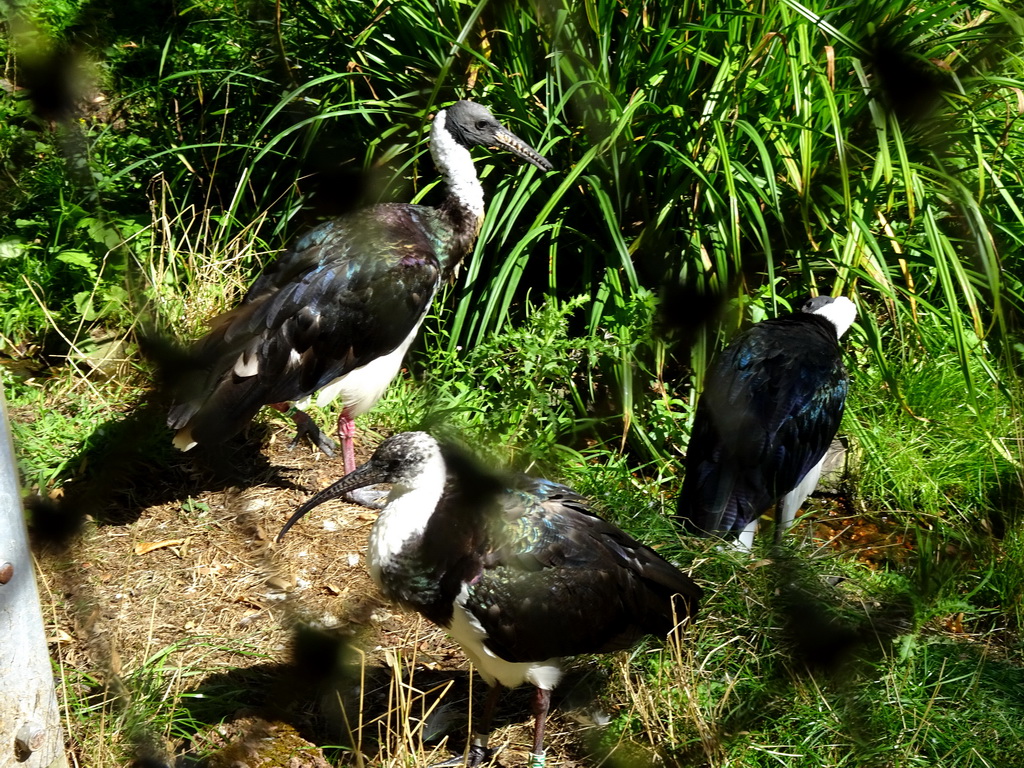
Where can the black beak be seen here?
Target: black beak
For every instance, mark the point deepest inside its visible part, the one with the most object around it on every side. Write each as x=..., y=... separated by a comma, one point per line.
x=368, y=474
x=507, y=140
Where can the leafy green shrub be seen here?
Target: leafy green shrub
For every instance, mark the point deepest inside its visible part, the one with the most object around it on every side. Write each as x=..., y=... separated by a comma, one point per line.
x=696, y=143
x=929, y=447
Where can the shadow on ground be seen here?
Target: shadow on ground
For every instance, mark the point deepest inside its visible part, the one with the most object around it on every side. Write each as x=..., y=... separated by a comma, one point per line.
x=127, y=465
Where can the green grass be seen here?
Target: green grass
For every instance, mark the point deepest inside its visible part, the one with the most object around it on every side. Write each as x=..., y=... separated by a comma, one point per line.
x=732, y=691
x=136, y=713
x=705, y=152
x=937, y=662
x=524, y=391
x=735, y=152
x=930, y=448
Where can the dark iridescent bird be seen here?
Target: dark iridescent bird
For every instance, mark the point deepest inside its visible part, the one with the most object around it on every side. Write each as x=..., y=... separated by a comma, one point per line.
x=335, y=315
x=520, y=571
x=771, y=404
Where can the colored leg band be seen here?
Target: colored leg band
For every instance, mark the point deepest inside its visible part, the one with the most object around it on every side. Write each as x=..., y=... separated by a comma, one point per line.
x=480, y=740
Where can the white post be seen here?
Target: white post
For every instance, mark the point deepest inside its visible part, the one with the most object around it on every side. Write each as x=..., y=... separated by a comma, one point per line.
x=30, y=731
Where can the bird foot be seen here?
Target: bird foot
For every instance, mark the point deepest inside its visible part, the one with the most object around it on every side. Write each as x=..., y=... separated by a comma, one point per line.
x=371, y=496
x=307, y=428
x=477, y=756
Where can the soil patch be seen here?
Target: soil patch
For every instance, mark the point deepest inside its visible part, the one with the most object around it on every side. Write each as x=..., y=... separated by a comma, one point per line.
x=173, y=605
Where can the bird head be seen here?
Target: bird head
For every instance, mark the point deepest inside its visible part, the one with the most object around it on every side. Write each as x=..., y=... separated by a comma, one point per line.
x=472, y=124
x=401, y=460
x=839, y=311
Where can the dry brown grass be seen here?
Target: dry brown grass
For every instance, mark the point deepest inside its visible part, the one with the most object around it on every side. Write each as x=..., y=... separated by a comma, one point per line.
x=192, y=249
x=172, y=620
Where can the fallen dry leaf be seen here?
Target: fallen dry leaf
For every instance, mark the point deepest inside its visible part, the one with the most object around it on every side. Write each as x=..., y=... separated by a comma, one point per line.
x=215, y=569
x=144, y=547
x=249, y=601
x=60, y=637
x=282, y=583
x=955, y=623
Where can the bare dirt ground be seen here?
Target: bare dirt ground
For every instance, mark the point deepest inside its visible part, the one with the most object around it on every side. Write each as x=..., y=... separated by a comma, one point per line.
x=173, y=599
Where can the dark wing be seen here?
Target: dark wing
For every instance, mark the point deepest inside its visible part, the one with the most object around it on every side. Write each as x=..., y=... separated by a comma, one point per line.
x=556, y=580
x=771, y=405
x=349, y=291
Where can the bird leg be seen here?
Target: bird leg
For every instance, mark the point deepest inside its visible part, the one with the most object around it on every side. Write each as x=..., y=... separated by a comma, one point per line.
x=306, y=427
x=789, y=505
x=541, y=705
x=481, y=733
x=478, y=753
x=745, y=541
x=372, y=496
x=347, y=434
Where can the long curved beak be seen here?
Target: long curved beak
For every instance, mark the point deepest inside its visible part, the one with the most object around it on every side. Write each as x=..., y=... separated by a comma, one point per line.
x=509, y=141
x=368, y=474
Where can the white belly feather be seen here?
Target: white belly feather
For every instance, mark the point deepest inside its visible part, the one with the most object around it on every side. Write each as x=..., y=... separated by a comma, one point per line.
x=469, y=634
x=362, y=387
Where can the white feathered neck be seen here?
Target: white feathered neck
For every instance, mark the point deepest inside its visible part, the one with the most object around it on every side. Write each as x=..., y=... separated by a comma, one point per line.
x=455, y=165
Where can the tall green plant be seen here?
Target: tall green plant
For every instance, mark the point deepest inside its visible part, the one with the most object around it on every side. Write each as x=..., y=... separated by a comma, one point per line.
x=737, y=150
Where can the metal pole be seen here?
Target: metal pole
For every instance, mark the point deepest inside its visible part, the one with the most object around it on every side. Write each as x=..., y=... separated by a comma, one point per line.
x=30, y=730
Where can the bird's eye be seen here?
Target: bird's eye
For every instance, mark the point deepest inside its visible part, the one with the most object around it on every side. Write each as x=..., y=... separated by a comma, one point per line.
x=481, y=124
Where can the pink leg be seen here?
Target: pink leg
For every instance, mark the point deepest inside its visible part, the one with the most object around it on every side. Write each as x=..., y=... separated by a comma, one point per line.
x=541, y=705
x=347, y=434
x=372, y=496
